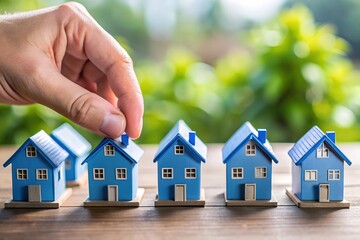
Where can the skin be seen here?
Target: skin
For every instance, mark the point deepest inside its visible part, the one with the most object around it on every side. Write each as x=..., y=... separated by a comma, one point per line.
x=61, y=57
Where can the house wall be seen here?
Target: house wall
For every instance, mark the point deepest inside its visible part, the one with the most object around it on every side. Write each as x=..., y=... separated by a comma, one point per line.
x=98, y=188
x=296, y=179
x=79, y=169
x=179, y=163
x=235, y=188
x=310, y=189
x=20, y=187
x=59, y=184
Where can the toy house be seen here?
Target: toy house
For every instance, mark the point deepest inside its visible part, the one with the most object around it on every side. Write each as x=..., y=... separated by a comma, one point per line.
x=38, y=175
x=179, y=159
x=317, y=171
x=248, y=157
x=78, y=148
x=113, y=173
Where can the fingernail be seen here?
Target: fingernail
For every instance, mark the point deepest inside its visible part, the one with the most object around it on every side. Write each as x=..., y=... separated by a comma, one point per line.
x=113, y=125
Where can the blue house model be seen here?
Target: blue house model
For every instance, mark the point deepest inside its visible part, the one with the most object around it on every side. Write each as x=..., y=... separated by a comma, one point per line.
x=248, y=157
x=38, y=170
x=179, y=160
x=77, y=147
x=318, y=167
x=113, y=170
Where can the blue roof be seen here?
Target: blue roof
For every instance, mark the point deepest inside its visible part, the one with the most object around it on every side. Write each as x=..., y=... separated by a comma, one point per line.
x=242, y=136
x=310, y=141
x=71, y=140
x=132, y=152
x=181, y=130
x=48, y=148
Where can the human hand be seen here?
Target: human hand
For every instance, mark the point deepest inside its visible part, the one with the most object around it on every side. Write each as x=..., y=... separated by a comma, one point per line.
x=61, y=58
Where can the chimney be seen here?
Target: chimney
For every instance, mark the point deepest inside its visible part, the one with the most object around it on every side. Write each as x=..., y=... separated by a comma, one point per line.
x=192, y=135
x=332, y=136
x=262, y=135
x=125, y=139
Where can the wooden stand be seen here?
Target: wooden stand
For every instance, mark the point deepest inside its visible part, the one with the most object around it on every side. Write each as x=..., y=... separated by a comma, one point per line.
x=257, y=203
x=316, y=204
x=133, y=203
x=56, y=204
x=190, y=203
x=78, y=183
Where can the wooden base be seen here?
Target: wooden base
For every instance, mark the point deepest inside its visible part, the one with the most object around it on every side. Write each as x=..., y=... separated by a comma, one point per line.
x=56, y=204
x=190, y=203
x=257, y=203
x=133, y=203
x=82, y=180
x=316, y=204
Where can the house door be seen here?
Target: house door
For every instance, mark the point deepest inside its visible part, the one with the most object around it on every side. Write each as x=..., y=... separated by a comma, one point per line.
x=34, y=193
x=324, y=192
x=250, y=192
x=112, y=193
x=180, y=192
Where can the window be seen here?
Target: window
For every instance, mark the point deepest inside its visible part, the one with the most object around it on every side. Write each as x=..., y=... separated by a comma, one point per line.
x=109, y=150
x=310, y=175
x=67, y=164
x=41, y=174
x=334, y=174
x=250, y=149
x=179, y=149
x=121, y=173
x=167, y=173
x=322, y=152
x=99, y=174
x=22, y=174
x=31, y=151
x=237, y=173
x=59, y=175
x=190, y=173
x=260, y=172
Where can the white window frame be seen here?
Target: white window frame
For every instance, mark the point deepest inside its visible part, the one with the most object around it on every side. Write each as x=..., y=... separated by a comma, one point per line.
x=334, y=173
x=179, y=149
x=109, y=150
x=306, y=178
x=260, y=172
x=322, y=151
x=121, y=173
x=190, y=173
x=238, y=171
x=67, y=164
x=96, y=171
x=41, y=174
x=250, y=149
x=167, y=173
x=31, y=151
x=24, y=172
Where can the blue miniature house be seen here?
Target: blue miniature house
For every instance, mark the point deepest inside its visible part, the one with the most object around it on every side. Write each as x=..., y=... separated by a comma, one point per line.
x=248, y=157
x=318, y=167
x=113, y=170
x=77, y=147
x=178, y=161
x=38, y=170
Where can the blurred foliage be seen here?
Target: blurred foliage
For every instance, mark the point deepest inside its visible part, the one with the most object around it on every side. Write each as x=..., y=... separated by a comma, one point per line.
x=290, y=74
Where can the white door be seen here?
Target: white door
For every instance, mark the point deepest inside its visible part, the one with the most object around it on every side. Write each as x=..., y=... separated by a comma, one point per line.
x=250, y=192
x=34, y=193
x=112, y=193
x=324, y=192
x=180, y=192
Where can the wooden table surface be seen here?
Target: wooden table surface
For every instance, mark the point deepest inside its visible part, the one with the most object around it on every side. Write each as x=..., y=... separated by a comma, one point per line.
x=213, y=221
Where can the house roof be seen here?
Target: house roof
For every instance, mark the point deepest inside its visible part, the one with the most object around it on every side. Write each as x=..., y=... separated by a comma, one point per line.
x=48, y=148
x=310, y=141
x=71, y=140
x=132, y=152
x=181, y=130
x=242, y=136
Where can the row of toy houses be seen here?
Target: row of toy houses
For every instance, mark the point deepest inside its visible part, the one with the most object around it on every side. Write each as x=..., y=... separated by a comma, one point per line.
x=44, y=165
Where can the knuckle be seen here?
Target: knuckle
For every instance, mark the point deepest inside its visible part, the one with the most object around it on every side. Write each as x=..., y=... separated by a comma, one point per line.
x=81, y=108
x=71, y=9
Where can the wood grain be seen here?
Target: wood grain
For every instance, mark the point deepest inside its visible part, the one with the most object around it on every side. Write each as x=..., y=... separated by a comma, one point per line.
x=213, y=221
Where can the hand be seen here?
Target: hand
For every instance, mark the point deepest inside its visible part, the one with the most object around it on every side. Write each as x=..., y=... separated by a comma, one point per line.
x=60, y=57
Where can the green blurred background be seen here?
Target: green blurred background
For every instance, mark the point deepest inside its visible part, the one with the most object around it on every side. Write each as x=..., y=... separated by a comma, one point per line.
x=283, y=65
